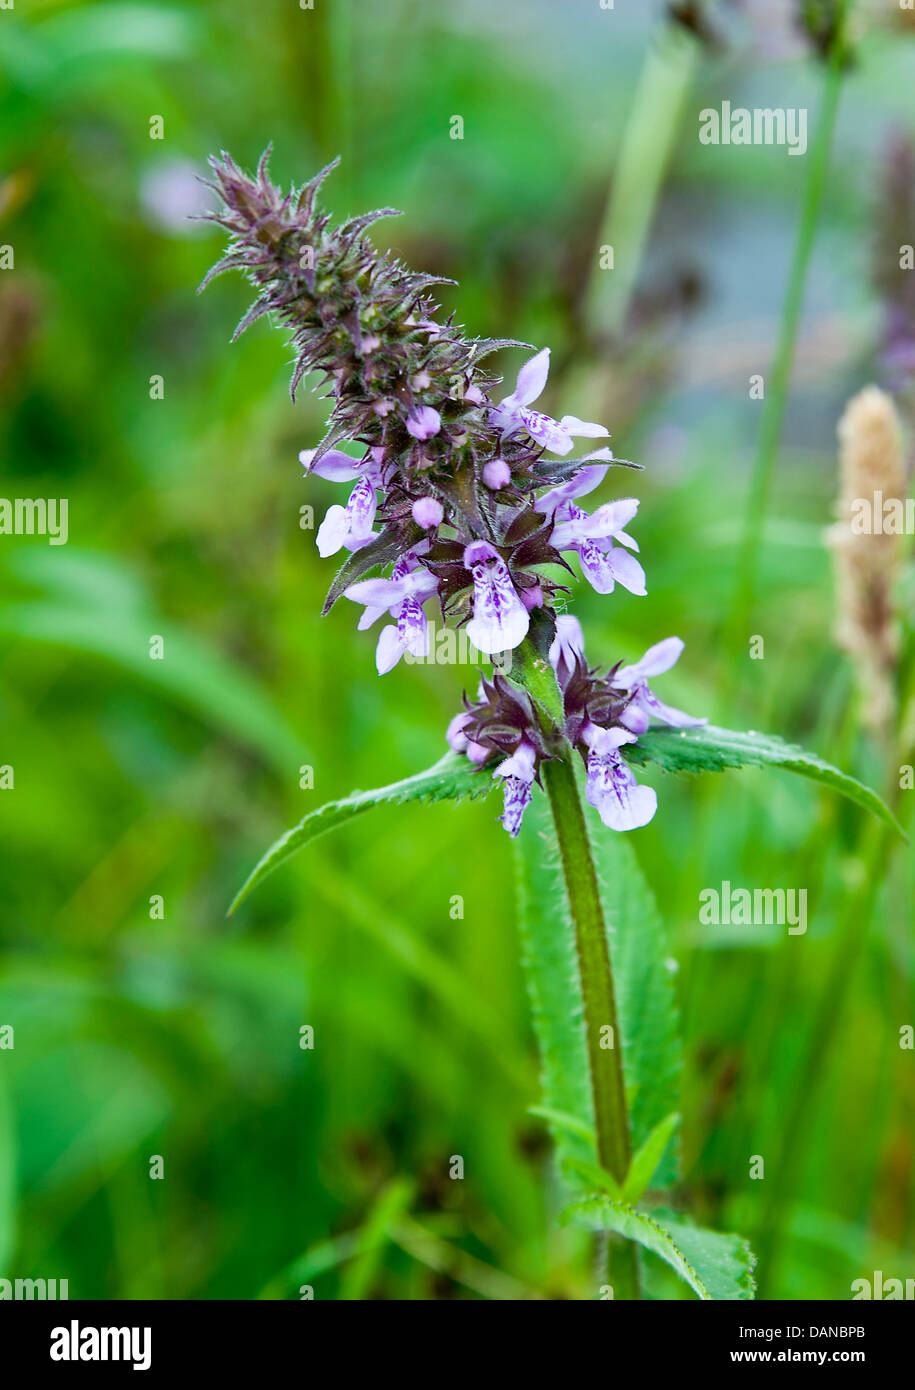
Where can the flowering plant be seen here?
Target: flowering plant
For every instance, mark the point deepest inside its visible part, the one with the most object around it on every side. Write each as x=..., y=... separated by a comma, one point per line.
x=473, y=502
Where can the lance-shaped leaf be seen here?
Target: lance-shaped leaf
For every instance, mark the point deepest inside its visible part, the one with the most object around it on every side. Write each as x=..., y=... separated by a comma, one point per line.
x=453, y=778
x=710, y=749
x=716, y=1267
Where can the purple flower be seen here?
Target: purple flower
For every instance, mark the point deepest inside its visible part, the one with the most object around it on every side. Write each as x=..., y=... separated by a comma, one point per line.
x=403, y=596
x=585, y=480
x=513, y=413
x=644, y=706
x=518, y=774
x=423, y=422
x=602, y=563
x=458, y=741
x=500, y=620
x=349, y=526
x=611, y=788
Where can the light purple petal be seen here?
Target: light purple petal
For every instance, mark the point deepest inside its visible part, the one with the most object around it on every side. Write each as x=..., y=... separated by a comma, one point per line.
x=585, y=429
x=627, y=571
x=658, y=659
x=335, y=465
x=532, y=378
x=332, y=532
x=377, y=593
x=389, y=650
x=457, y=739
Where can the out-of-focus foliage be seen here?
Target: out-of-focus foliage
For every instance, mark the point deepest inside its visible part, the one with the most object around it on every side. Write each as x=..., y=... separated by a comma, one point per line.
x=139, y=1034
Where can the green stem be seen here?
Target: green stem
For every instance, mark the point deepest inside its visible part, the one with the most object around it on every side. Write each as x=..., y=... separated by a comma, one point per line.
x=605, y=1057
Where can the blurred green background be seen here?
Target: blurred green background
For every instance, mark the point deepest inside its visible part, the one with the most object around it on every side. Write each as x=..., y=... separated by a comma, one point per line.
x=140, y=1035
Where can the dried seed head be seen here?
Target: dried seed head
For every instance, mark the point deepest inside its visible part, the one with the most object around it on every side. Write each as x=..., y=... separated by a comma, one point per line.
x=866, y=545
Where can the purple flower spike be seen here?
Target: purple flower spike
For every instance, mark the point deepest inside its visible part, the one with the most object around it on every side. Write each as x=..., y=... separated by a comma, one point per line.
x=611, y=788
x=518, y=774
x=514, y=413
x=500, y=620
x=644, y=705
x=423, y=422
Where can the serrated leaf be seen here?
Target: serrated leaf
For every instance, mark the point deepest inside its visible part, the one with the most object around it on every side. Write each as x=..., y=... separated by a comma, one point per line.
x=451, y=779
x=646, y=1161
x=716, y=1267
x=710, y=749
x=644, y=988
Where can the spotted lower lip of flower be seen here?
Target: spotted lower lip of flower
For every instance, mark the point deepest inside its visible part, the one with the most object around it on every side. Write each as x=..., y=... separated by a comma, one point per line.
x=644, y=704
x=349, y=526
x=620, y=801
x=517, y=773
x=514, y=413
x=500, y=620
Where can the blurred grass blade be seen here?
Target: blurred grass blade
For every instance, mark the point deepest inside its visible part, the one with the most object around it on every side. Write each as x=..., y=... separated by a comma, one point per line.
x=392, y=1204
x=451, y=779
x=195, y=676
x=710, y=749
x=7, y=1178
x=716, y=1267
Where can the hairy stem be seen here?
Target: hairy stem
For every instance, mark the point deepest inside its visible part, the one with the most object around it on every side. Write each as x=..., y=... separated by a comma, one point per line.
x=605, y=1057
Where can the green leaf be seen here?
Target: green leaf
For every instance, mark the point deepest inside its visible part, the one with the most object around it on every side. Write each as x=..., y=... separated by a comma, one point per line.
x=644, y=991
x=551, y=974
x=716, y=1267
x=645, y=1163
x=451, y=779
x=709, y=749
